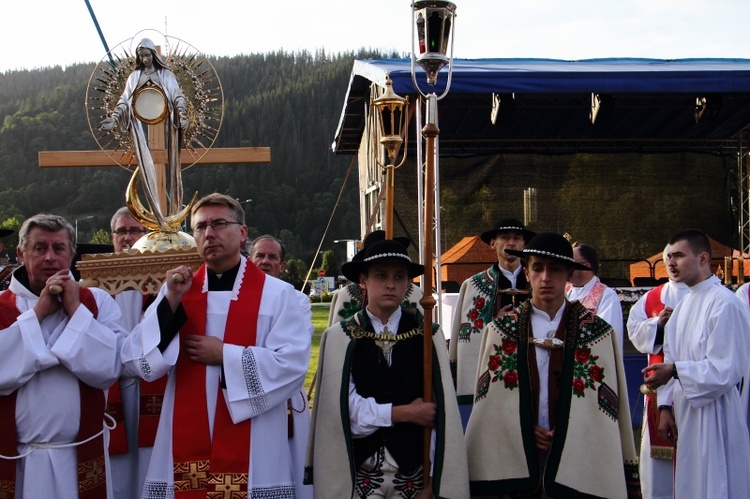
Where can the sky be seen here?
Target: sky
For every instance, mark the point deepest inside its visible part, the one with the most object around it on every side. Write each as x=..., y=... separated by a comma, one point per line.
x=48, y=33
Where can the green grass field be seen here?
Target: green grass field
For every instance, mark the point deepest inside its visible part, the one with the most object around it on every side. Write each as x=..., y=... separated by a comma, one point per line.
x=320, y=321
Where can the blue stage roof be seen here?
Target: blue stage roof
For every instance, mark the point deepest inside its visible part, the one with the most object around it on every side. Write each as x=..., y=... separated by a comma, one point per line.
x=648, y=105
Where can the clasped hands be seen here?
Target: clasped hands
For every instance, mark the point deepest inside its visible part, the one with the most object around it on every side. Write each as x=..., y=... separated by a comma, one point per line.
x=60, y=291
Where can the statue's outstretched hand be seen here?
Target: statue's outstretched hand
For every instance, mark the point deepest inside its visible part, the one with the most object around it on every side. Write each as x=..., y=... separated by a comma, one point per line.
x=107, y=124
x=184, y=121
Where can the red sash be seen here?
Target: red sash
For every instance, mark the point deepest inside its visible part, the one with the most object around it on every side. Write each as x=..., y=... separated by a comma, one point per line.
x=660, y=448
x=151, y=397
x=204, y=467
x=91, y=475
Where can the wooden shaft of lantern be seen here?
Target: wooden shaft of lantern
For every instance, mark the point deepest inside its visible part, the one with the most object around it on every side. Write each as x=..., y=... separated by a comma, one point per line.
x=390, y=175
x=430, y=132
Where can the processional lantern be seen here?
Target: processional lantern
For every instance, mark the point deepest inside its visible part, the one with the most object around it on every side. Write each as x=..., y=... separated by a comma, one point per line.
x=433, y=21
x=392, y=113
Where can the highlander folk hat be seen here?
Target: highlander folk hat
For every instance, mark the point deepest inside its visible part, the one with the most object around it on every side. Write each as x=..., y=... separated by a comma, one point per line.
x=507, y=225
x=375, y=236
x=385, y=251
x=551, y=245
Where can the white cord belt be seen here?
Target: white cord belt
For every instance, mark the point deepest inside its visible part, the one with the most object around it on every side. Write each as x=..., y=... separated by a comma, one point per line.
x=34, y=446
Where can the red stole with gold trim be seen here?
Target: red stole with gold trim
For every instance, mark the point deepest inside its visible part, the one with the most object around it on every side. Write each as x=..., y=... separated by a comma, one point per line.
x=204, y=467
x=151, y=395
x=660, y=448
x=91, y=474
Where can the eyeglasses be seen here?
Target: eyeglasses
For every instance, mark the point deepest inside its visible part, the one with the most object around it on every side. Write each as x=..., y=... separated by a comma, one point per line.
x=216, y=225
x=133, y=232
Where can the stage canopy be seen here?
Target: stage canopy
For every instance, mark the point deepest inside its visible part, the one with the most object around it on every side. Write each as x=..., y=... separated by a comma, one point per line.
x=644, y=105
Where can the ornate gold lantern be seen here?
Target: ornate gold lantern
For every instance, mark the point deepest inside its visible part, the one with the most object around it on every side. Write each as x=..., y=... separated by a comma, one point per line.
x=392, y=113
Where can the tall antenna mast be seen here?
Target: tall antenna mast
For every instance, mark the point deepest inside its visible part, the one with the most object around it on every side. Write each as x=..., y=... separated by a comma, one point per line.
x=166, y=37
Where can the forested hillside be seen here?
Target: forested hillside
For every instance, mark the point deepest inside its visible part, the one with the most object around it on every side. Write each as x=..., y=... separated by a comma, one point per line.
x=289, y=102
x=625, y=204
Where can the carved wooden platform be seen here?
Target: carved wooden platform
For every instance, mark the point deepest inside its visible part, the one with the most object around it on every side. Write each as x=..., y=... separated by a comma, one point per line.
x=131, y=269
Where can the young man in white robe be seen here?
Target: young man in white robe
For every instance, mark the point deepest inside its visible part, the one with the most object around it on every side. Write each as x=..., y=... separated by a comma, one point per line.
x=268, y=253
x=59, y=352
x=646, y=322
x=705, y=360
x=551, y=413
x=228, y=336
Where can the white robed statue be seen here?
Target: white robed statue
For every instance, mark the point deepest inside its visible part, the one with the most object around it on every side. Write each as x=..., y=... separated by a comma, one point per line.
x=152, y=96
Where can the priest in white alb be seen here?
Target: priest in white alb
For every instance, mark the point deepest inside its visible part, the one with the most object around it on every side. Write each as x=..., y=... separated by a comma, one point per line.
x=133, y=403
x=229, y=339
x=59, y=351
x=699, y=383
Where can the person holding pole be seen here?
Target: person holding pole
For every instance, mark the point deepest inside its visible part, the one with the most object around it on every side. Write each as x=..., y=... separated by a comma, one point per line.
x=370, y=443
x=60, y=350
x=234, y=344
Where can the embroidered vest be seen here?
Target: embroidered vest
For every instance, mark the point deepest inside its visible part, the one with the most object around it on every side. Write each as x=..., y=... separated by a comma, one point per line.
x=399, y=384
x=91, y=473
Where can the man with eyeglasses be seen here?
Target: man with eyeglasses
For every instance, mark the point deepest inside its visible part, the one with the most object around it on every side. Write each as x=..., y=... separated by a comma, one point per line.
x=228, y=338
x=126, y=230
x=134, y=405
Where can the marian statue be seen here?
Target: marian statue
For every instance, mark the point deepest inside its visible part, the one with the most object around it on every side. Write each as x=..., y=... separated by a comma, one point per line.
x=152, y=107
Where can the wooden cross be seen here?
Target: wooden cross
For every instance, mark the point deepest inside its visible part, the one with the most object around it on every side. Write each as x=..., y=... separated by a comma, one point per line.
x=118, y=272
x=62, y=159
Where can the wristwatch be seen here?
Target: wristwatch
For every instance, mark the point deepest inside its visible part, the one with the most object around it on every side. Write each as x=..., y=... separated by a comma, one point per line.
x=667, y=407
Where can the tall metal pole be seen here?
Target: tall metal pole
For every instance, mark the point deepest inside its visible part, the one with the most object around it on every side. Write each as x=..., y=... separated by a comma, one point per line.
x=430, y=132
x=433, y=40
x=99, y=30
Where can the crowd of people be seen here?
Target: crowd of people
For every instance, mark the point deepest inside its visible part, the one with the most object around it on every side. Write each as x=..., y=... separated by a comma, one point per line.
x=198, y=391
